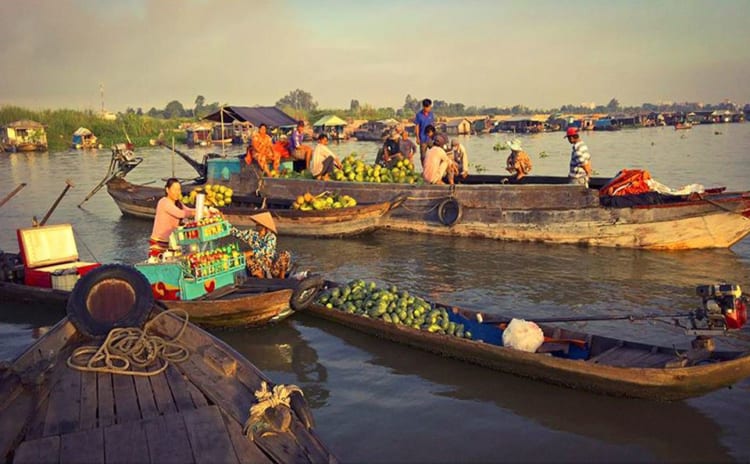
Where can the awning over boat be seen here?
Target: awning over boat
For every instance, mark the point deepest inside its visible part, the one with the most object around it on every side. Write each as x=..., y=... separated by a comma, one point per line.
x=82, y=131
x=270, y=115
x=330, y=121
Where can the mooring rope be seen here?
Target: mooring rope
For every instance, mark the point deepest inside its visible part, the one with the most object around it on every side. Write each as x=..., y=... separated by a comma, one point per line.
x=132, y=347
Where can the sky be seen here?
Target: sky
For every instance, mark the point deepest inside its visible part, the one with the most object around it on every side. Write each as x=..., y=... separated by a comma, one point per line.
x=541, y=53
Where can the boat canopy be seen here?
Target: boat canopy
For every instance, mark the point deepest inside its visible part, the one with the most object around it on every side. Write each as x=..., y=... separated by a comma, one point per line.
x=270, y=115
x=330, y=121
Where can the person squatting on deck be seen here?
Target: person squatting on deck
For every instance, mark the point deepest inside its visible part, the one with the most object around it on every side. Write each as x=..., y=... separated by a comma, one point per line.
x=438, y=167
x=263, y=261
x=422, y=120
x=390, y=153
x=299, y=151
x=580, y=159
x=323, y=160
x=169, y=211
x=518, y=163
x=261, y=151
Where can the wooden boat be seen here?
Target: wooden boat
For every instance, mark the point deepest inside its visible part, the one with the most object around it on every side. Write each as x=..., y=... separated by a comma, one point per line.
x=573, y=359
x=683, y=125
x=193, y=411
x=140, y=201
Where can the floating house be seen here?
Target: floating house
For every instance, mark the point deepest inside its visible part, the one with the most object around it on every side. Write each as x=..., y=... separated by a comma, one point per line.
x=523, y=124
x=83, y=138
x=458, y=126
x=23, y=135
x=199, y=134
x=240, y=122
x=332, y=125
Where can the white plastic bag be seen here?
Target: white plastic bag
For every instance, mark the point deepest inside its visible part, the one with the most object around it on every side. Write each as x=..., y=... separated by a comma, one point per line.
x=523, y=335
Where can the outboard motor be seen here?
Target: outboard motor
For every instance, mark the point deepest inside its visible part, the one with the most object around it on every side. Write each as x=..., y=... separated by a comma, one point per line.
x=724, y=306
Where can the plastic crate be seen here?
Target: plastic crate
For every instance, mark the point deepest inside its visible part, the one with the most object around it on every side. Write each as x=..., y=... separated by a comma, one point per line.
x=186, y=236
x=64, y=279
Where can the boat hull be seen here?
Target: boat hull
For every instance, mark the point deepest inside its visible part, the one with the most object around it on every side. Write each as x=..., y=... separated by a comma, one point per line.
x=232, y=311
x=634, y=382
x=552, y=213
x=140, y=201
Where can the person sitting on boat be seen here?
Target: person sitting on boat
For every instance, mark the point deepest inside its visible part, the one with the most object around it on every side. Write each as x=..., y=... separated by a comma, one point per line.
x=299, y=151
x=323, y=160
x=262, y=258
x=518, y=163
x=438, y=167
x=391, y=151
x=263, y=152
x=461, y=158
x=580, y=159
x=169, y=211
x=436, y=139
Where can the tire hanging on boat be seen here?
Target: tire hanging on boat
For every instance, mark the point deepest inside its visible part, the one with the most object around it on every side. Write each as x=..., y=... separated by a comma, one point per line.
x=306, y=292
x=113, y=295
x=449, y=211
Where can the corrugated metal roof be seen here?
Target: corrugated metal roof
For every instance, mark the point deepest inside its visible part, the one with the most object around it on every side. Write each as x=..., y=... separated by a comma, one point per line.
x=270, y=115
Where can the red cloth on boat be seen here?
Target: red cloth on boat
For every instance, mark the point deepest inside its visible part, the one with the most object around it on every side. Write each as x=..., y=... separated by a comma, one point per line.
x=282, y=148
x=627, y=182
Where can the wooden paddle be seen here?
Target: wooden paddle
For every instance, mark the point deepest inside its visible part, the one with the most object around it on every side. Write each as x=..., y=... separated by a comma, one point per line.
x=68, y=185
x=632, y=317
x=12, y=194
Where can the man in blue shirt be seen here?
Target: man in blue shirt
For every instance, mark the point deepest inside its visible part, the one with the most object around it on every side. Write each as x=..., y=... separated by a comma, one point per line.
x=423, y=119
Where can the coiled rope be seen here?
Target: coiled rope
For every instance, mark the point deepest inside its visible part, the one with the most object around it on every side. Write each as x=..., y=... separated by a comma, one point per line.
x=130, y=347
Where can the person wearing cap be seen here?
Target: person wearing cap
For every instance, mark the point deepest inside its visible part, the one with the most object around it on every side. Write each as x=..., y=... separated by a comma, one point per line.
x=580, y=159
x=323, y=160
x=391, y=149
x=518, y=163
x=423, y=119
x=461, y=158
x=299, y=151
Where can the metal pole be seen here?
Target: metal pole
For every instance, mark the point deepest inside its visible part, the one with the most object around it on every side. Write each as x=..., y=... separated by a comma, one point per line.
x=173, y=156
x=12, y=194
x=221, y=116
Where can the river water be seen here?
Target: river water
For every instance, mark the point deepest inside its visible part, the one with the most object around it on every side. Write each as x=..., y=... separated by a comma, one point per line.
x=379, y=402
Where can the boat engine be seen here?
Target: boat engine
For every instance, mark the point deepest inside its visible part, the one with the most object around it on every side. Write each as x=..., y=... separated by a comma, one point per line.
x=11, y=268
x=723, y=308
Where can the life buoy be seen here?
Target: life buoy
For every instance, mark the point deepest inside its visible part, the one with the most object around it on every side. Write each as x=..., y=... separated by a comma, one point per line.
x=306, y=292
x=113, y=295
x=449, y=211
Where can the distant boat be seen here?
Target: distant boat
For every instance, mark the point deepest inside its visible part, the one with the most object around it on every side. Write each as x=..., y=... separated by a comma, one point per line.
x=683, y=125
x=83, y=138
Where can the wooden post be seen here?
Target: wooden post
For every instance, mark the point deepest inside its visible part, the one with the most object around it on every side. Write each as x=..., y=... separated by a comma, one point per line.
x=173, y=156
x=69, y=184
x=12, y=194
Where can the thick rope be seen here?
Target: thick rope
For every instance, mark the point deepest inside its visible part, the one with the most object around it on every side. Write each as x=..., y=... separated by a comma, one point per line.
x=125, y=348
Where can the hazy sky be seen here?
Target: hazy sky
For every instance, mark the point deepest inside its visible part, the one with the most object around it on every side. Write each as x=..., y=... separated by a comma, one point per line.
x=56, y=53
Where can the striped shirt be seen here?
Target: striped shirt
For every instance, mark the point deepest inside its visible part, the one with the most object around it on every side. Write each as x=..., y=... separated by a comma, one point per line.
x=579, y=157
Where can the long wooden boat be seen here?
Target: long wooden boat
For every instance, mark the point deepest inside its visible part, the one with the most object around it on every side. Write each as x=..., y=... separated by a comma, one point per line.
x=231, y=307
x=573, y=359
x=197, y=410
x=545, y=209
x=140, y=201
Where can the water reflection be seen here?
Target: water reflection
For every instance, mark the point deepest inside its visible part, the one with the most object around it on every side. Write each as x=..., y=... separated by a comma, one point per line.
x=281, y=348
x=669, y=431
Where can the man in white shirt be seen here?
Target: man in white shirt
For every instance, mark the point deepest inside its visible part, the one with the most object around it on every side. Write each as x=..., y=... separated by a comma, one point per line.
x=437, y=165
x=323, y=160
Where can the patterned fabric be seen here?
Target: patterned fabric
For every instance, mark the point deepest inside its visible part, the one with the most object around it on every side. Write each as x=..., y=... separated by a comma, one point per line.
x=262, y=259
x=518, y=163
x=578, y=158
x=263, y=151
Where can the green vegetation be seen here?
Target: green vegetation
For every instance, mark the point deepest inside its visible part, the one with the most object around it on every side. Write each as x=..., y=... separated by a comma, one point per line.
x=62, y=123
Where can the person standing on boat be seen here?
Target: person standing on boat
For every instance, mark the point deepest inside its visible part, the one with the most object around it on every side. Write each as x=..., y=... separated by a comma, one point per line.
x=263, y=151
x=423, y=119
x=323, y=160
x=580, y=160
x=461, y=158
x=299, y=151
x=518, y=163
x=407, y=147
x=169, y=211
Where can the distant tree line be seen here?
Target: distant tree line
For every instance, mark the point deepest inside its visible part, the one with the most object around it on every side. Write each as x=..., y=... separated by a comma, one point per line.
x=175, y=109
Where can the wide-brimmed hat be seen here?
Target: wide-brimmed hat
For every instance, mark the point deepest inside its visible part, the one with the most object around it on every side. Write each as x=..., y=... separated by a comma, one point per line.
x=514, y=144
x=265, y=220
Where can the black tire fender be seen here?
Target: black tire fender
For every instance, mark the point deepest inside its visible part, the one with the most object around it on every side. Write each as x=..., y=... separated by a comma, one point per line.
x=305, y=292
x=449, y=211
x=113, y=295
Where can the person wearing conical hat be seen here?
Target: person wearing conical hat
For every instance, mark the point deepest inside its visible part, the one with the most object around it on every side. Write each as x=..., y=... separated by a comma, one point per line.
x=518, y=163
x=262, y=258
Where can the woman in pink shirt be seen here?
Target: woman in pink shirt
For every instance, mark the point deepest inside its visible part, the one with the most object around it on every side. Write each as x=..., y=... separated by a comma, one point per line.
x=169, y=211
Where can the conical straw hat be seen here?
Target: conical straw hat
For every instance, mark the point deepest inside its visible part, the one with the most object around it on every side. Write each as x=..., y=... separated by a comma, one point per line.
x=265, y=220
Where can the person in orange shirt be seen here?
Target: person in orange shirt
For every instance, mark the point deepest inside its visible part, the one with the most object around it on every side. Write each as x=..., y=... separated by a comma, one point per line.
x=263, y=152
